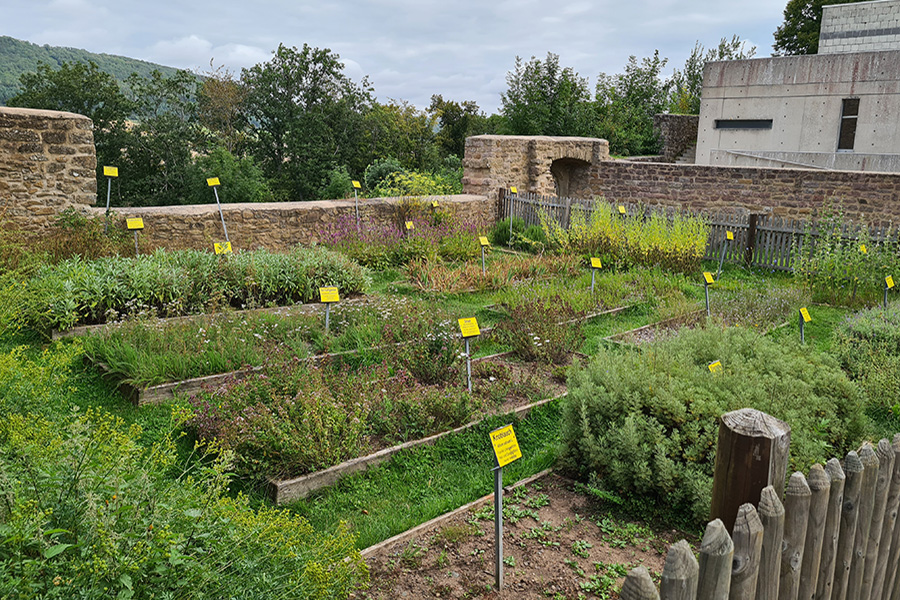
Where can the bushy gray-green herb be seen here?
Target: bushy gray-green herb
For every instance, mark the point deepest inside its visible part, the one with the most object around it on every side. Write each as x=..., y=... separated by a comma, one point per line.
x=645, y=421
x=173, y=283
x=868, y=345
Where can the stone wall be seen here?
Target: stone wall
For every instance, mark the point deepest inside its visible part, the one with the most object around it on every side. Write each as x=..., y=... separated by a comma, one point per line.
x=677, y=132
x=47, y=164
x=279, y=225
x=860, y=27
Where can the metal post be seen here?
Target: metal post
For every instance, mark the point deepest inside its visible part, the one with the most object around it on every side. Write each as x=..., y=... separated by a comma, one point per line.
x=483, y=270
x=468, y=366
x=221, y=214
x=885, y=294
x=593, y=273
x=108, y=192
x=356, y=201
x=722, y=258
x=706, y=289
x=327, y=316
x=802, y=323
x=498, y=526
x=509, y=243
x=135, y=243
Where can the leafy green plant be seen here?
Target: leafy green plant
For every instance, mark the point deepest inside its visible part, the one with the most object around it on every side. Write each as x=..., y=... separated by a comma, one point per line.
x=868, y=346
x=499, y=234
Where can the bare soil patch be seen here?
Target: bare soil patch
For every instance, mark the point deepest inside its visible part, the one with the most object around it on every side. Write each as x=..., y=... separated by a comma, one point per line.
x=557, y=544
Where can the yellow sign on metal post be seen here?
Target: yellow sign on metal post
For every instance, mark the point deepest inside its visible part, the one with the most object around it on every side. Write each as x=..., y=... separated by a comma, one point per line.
x=483, y=241
x=804, y=319
x=506, y=450
x=708, y=277
x=469, y=327
x=410, y=225
x=707, y=281
x=889, y=281
x=805, y=314
x=595, y=263
x=506, y=447
x=213, y=181
x=621, y=210
x=514, y=190
x=715, y=367
x=329, y=294
x=729, y=235
x=135, y=223
x=110, y=171
x=222, y=248
x=356, y=185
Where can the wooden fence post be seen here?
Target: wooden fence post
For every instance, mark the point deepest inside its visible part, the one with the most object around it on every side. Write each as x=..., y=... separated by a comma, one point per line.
x=748, y=539
x=771, y=513
x=680, y=573
x=638, y=586
x=882, y=486
x=864, y=524
x=716, y=553
x=752, y=453
x=825, y=581
x=853, y=470
x=820, y=488
x=751, y=238
x=893, y=501
x=796, y=517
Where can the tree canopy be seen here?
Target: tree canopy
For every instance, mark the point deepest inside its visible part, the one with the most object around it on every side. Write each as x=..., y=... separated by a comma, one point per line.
x=799, y=33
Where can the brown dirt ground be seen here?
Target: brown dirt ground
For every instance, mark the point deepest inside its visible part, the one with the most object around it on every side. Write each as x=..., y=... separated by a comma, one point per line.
x=557, y=544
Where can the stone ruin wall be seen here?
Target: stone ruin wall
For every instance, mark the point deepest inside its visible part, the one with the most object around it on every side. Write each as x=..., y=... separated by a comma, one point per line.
x=677, y=132
x=494, y=162
x=47, y=164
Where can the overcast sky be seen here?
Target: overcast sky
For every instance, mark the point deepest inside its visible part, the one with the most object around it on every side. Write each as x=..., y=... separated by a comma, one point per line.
x=410, y=49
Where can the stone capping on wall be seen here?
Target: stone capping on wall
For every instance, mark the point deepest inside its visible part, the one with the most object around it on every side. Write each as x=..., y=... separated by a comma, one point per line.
x=47, y=164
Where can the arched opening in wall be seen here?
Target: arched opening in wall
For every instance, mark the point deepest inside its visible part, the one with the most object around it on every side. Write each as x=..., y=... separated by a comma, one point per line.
x=570, y=176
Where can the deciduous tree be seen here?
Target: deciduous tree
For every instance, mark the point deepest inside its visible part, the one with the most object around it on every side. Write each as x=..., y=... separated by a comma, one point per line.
x=799, y=33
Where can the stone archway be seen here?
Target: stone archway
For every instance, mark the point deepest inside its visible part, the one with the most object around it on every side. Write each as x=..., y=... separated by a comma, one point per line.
x=570, y=176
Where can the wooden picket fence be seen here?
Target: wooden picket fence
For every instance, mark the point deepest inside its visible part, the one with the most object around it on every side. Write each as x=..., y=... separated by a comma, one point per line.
x=834, y=536
x=760, y=240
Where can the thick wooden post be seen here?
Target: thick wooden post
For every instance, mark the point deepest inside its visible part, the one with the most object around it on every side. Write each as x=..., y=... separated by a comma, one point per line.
x=882, y=486
x=680, y=573
x=864, y=524
x=796, y=516
x=751, y=238
x=716, y=553
x=748, y=539
x=820, y=488
x=752, y=452
x=771, y=513
x=825, y=583
x=638, y=586
x=853, y=470
x=893, y=502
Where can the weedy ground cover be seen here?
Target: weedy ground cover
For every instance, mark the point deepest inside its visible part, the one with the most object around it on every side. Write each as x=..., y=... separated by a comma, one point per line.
x=501, y=270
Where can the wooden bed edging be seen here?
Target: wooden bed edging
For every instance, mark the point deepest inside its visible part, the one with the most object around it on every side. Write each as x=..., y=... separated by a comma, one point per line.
x=287, y=490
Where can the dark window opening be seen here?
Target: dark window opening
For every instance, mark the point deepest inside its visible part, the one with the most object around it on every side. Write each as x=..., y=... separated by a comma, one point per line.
x=849, y=114
x=743, y=123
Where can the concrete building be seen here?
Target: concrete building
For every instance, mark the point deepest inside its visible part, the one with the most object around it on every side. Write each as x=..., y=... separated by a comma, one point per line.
x=839, y=109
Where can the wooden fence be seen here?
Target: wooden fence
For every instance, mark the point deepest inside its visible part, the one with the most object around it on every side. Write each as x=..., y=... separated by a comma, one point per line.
x=760, y=240
x=833, y=536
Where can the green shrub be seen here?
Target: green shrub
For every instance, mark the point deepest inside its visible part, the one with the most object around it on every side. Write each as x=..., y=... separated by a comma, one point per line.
x=379, y=170
x=868, y=346
x=645, y=421
x=242, y=179
x=338, y=184
x=499, y=234
x=533, y=326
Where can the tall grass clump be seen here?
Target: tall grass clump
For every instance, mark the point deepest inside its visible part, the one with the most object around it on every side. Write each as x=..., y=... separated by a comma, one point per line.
x=644, y=423
x=673, y=242
x=175, y=283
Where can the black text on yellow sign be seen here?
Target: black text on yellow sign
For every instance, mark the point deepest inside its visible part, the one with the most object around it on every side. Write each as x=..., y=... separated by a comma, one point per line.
x=222, y=248
x=708, y=277
x=469, y=327
x=506, y=447
x=135, y=223
x=805, y=314
x=329, y=294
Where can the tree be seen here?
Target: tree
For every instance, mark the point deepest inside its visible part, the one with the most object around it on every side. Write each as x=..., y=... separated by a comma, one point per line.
x=625, y=104
x=799, y=34
x=220, y=107
x=458, y=121
x=687, y=84
x=544, y=99
x=399, y=130
x=83, y=89
x=306, y=117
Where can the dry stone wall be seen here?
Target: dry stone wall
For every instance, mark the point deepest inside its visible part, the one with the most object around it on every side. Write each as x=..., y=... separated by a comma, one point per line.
x=678, y=133
x=47, y=164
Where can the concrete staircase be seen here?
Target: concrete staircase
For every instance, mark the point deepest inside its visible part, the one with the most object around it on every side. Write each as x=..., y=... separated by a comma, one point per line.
x=688, y=156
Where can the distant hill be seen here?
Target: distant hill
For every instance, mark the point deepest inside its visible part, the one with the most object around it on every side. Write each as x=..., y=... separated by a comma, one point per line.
x=17, y=57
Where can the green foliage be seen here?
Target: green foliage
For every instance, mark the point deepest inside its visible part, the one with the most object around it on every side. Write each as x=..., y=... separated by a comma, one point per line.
x=799, y=33
x=499, y=234
x=379, y=170
x=687, y=84
x=458, y=121
x=242, y=180
x=176, y=283
x=338, y=184
x=534, y=326
x=646, y=421
x=414, y=183
x=90, y=512
x=868, y=346
x=399, y=130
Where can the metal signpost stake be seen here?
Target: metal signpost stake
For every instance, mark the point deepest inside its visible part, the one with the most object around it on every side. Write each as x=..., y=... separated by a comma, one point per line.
x=595, y=264
x=707, y=279
x=328, y=295
x=213, y=182
x=506, y=450
x=484, y=244
x=729, y=237
x=135, y=225
x=804, y=319
x=514, y=192
x=469, y=329
x=356, y=186
x=888, y=284
x=110, y=173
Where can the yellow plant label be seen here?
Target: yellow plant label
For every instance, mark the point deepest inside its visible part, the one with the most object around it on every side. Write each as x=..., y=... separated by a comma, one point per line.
x=805, y=314
x=708, y=277
x=889, y=281
x=862, y=248
x=514, y=190
x=434, y=204
x=135, y=223
x=621, y=210
x=729, y=235
x=223, y=248
x=484, y=241
x=715, y=367
x=506, y=446
x=469, y=327
x=212, y=182
x=410, y=225
x=110, y=171
x=595, y=263
x=329, y=294
x=356, y=185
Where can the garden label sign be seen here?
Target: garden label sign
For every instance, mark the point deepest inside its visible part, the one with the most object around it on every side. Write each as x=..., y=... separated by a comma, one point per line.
x=804, y=318
x=506, y=446
x=135, y=224
x=506, y=450
x=715, y=367
x=213, y=182
x=889, y=281
x=707, y=281
x=328, y=295
x=110, y=173
x=222, y=248
x=434, y=204
x=356, y=185
x=595, y=264
x=468, y=327
x=729, y=235
x=621, y=210
x=483, y=241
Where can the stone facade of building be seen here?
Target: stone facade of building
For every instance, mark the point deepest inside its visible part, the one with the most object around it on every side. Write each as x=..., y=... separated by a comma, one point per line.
x=860, y=27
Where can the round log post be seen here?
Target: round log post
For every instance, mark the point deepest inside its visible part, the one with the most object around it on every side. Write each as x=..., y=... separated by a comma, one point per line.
x=825, y=582
x=638, y=586
x=771, y=513
x=752, y=452
x=680, y=573
x=820, y=488
x=796, y=517
x=716, y=553
x=893, y=502
x=882, y=487
x=748, y=539
x=853, y=470
x=866, y=506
